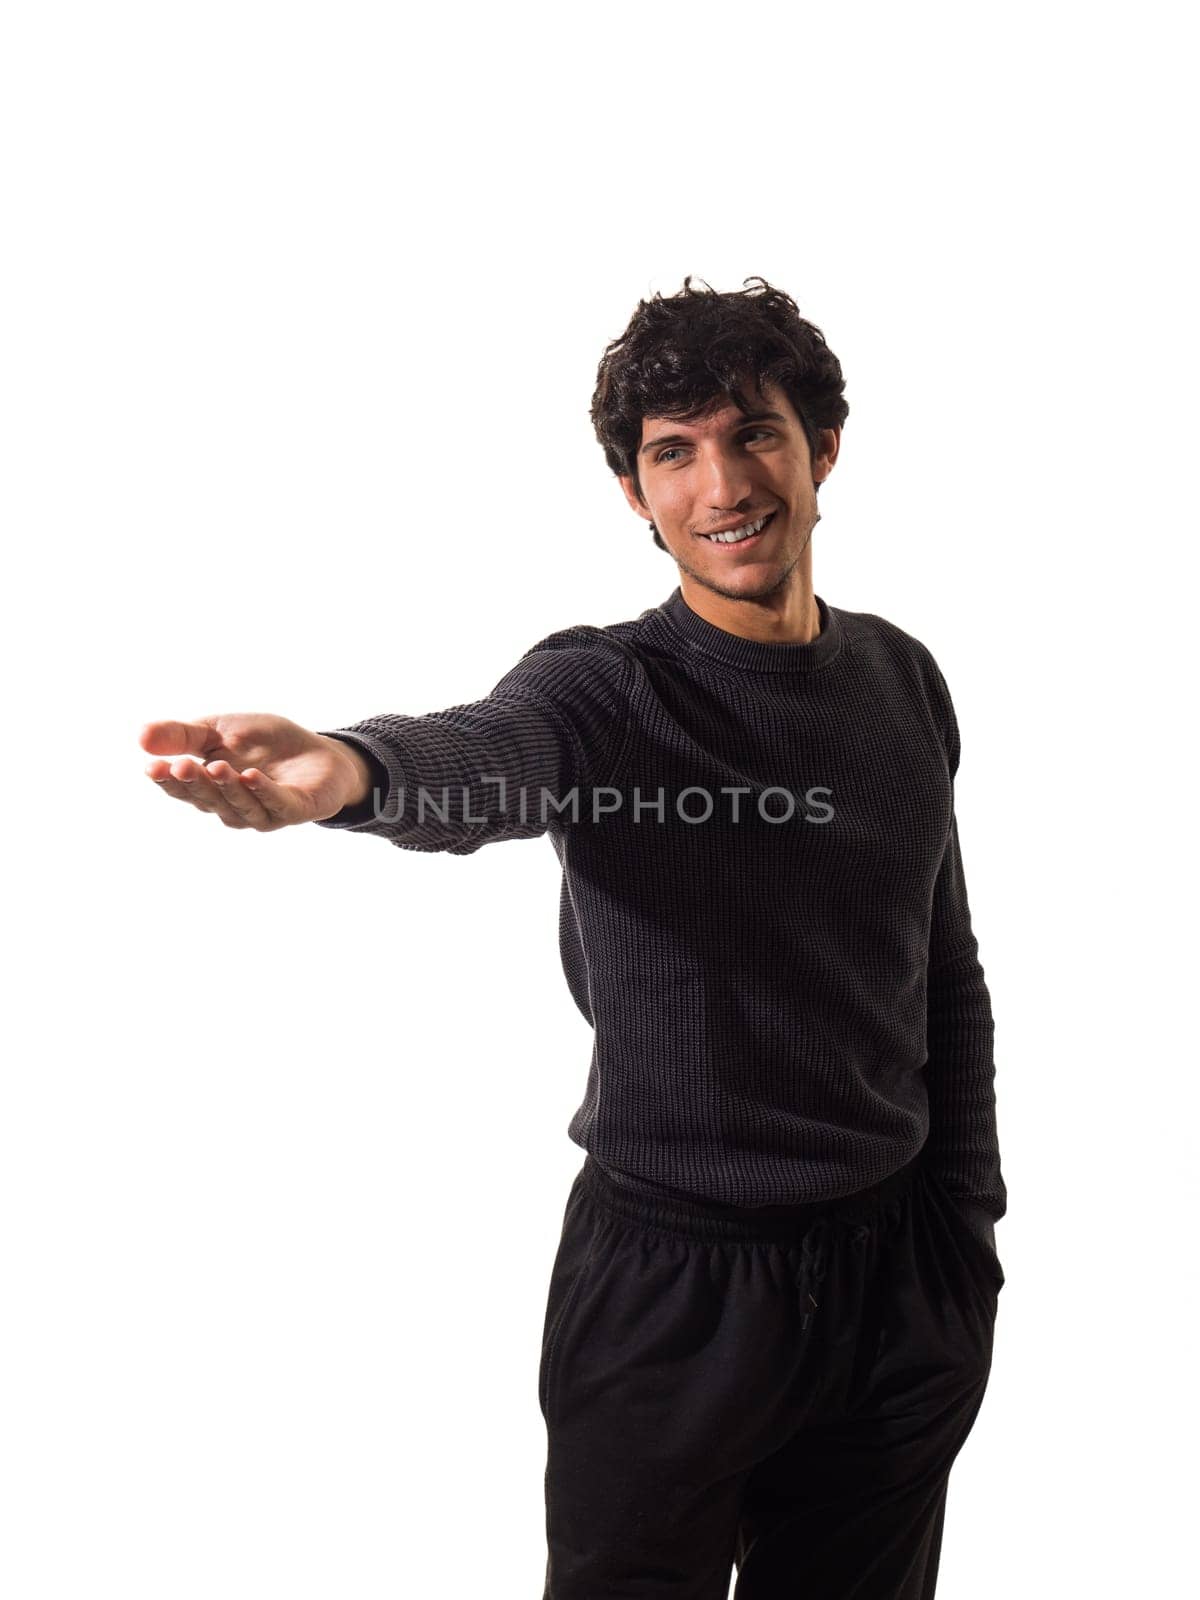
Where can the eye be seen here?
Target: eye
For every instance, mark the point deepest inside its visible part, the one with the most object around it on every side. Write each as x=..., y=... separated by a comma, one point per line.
x=673, y=449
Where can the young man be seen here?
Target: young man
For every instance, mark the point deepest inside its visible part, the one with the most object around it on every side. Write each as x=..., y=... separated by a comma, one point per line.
x=770, y=1317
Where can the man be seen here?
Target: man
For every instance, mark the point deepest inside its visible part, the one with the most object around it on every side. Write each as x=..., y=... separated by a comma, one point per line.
x=769, y=1323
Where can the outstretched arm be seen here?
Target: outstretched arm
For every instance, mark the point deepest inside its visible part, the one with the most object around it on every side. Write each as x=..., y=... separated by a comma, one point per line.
x=504, y=767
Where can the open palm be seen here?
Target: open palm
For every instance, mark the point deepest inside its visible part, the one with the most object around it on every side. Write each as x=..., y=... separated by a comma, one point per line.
x=253, y=770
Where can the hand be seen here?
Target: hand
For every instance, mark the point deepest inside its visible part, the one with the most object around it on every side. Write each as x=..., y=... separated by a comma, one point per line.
x=253, y=770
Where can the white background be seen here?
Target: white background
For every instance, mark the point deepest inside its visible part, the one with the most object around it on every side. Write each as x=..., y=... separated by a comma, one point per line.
x=302, y=316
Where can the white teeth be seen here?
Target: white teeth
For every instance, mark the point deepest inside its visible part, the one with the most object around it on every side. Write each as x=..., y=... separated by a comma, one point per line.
x=736, y=535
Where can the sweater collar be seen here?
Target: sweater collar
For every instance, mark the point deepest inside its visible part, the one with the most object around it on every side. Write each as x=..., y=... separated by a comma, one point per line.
x=753, y=654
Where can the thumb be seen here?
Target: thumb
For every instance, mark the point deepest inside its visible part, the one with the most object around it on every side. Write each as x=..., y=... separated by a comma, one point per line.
x=178, y=738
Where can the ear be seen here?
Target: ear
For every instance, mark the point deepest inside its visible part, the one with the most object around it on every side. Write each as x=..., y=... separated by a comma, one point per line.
x=627, y=484
x=829, y=442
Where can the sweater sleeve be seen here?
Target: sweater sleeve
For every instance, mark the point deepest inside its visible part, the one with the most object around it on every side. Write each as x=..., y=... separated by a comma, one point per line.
x=508, y=766
x=960, y=1069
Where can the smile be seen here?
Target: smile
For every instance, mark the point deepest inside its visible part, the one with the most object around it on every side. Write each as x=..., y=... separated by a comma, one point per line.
x=743, y=535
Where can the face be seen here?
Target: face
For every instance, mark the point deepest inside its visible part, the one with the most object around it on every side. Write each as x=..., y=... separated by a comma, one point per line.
x=726, y=470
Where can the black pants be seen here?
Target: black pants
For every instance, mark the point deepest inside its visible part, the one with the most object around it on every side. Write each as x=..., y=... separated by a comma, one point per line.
x=786, y=1394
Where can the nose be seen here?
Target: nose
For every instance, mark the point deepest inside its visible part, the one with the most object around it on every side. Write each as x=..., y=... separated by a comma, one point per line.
x=727, y=483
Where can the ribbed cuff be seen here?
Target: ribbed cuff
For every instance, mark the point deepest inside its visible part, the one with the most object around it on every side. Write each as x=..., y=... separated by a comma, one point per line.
x=368, y=810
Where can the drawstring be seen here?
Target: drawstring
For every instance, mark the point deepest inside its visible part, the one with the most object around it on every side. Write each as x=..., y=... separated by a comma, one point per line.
x=812, y=1267
x=813, y=1253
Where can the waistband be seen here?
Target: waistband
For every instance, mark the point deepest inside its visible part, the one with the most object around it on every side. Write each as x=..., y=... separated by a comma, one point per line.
x=707, y=1219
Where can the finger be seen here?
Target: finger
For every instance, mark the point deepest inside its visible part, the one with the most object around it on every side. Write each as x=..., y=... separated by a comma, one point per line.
x=177, y=738
x=186, y=780
x=194, y=784
x=175, y=777
x=239, y=795
x=277, y=799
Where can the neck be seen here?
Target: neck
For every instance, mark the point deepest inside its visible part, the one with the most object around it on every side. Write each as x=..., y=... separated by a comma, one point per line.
x=788, y=615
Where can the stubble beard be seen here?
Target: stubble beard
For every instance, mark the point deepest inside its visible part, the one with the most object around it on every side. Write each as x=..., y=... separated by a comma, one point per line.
x=770, y=586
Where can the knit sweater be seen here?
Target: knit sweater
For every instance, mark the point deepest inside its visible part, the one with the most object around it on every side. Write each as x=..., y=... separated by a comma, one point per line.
x=763, y=913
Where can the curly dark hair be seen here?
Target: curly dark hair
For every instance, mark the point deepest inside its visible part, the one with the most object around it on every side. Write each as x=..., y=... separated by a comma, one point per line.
x=682, y=356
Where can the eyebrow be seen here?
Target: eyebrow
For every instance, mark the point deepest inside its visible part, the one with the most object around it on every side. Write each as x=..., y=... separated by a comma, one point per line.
x=679, y=438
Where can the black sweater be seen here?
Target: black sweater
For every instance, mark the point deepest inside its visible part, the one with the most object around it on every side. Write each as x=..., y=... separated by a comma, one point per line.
x=763, y=911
